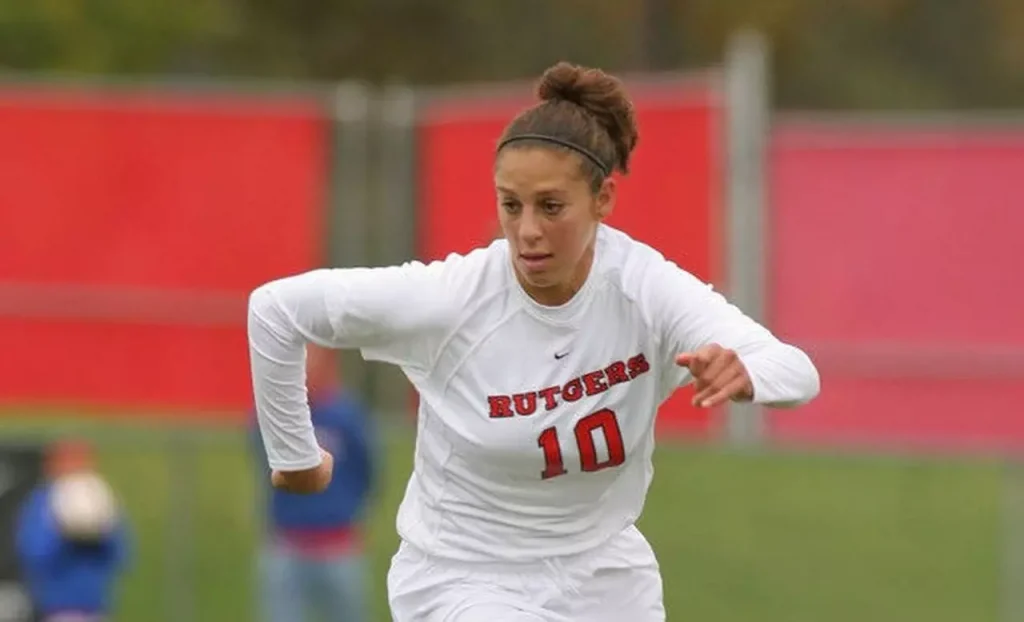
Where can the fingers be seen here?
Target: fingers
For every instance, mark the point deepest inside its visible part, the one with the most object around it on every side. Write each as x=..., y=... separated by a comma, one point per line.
x=306, y=481
x=696, y=361
x=720, y=368
x=277, y=479
x=699, y=358
x=718, y=375
x=721, y=391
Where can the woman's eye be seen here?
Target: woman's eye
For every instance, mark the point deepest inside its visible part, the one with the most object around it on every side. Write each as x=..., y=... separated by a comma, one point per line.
x=510, y=206
x=552, y=208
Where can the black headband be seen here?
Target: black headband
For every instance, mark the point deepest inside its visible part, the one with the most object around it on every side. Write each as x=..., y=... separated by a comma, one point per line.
x=587, y=153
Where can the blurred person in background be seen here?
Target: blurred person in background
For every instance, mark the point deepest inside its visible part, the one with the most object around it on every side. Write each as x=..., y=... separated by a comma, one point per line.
x=71, y=539
x=540, y=361
x=313, y=566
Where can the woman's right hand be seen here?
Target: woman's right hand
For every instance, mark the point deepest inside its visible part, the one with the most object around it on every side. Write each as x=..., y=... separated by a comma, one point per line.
x=306, y=481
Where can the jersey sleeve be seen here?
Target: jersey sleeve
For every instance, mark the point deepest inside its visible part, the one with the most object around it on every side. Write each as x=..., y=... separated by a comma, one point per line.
x=396, y=314
x=689, y=314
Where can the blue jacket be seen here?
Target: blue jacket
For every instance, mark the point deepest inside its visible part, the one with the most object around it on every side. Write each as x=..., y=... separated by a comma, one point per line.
x=62, y=575
x=344, y=428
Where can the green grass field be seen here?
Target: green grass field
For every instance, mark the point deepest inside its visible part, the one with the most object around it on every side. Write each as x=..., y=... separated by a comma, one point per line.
x=740, y=537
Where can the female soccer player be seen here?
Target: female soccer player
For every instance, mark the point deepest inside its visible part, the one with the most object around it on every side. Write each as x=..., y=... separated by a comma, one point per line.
x=540, y=361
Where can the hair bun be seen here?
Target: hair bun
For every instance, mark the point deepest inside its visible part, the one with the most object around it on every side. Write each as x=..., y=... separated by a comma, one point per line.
x=600, y=94
x=565, y=82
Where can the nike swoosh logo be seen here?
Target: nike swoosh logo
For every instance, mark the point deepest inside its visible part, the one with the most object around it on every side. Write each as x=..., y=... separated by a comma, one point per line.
x=561, y=355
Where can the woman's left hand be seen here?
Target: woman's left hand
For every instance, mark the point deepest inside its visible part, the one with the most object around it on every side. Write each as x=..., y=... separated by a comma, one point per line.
x=718, y=376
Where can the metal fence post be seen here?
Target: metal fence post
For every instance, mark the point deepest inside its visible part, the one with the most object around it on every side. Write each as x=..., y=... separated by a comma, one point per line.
x=395, y=219
x=746, y=128
x=1013, y=542
x=349, y=225
x=182, y=537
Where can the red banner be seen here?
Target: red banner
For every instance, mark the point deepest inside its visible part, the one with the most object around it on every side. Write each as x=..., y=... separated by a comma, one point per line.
x=671, y=199
x=133, y=227
x=895, y=262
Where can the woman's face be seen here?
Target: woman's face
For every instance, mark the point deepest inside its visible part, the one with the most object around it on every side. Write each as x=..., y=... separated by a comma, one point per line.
x=549, y=214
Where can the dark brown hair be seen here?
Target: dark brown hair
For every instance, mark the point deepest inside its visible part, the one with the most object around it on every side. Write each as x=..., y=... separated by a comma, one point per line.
x=581, y=110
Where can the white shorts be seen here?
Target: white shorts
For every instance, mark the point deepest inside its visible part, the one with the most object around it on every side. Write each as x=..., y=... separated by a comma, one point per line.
x=618, y=582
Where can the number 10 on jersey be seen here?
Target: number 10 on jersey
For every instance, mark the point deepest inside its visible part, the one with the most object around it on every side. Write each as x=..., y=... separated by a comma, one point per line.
x=603, y=420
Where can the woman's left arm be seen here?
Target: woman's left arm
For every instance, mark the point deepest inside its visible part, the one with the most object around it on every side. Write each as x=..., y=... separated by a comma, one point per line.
x=725, y=353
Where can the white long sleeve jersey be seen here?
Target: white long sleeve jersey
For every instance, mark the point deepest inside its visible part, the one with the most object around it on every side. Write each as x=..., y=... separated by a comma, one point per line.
x=536, y=424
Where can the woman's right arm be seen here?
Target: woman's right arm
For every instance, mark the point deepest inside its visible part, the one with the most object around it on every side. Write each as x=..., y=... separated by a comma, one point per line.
x=396, y=314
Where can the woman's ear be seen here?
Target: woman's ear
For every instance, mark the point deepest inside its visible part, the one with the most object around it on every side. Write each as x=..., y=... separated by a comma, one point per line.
x=605, y=203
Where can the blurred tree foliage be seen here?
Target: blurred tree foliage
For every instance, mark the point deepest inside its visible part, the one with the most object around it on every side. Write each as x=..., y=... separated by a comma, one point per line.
x=827, y=53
